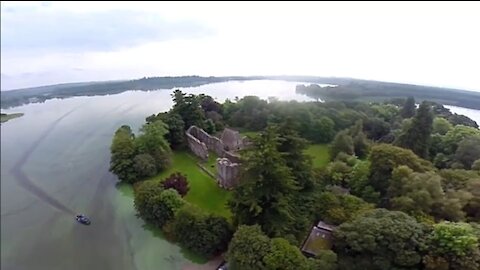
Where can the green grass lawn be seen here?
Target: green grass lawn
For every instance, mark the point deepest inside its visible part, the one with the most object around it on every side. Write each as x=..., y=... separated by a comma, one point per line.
x=204, y=191
x=320, y=155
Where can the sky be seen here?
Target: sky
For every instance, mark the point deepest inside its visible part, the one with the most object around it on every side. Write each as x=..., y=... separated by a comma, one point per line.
x=430, y=43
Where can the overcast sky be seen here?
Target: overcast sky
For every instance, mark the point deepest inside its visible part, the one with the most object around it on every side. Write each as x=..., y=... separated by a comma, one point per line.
x=424, y=43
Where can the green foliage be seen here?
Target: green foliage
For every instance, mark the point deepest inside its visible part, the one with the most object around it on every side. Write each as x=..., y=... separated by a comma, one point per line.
x=123, y=152
x=409, y=108
x=283, y=256
x=323, y=130
x=209, y=126
x=468, y=151
x=144, y=165
x=266, y=187
x=342, y=142
x=250, y=112
x=360, y=184
x=380, y=239
x=441, y=126
x=376, y=128
x=454, y=238
x=415, y=193
x=361, y=145
x=384, y=158
x=248, y=248
x=251, y=249
x=176, y=129
x=455, y=245
x=325, y=260
x=476, y=165
x=454, y=136
x=145, y=194
x=189, y=109
x=339, y=208
x=417, y=136
x=204, y=234
x=152, y=141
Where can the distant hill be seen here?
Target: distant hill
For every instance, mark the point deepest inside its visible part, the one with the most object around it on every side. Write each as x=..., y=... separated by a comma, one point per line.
x=347, y=89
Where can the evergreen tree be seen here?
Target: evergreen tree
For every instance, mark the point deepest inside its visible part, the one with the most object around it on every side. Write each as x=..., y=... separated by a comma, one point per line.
x=409, y=108
x=266, y=188
x=417, y=135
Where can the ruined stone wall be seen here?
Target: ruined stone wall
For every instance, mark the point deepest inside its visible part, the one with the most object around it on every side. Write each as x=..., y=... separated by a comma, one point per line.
x=231, y=156
x=228, y=165
x=212, y=143
x=198, y=148
x=227, y=173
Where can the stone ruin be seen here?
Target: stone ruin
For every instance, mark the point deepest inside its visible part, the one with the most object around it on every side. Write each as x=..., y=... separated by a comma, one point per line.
x=228, y=165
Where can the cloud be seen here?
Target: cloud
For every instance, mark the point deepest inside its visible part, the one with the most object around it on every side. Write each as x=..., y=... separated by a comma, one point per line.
x=40, y=28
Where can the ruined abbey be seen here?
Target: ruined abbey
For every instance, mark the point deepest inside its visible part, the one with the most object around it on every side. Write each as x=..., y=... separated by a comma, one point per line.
x=228, y=163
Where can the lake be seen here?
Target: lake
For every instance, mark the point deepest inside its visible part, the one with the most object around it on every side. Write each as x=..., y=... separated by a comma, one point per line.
x=54, y=163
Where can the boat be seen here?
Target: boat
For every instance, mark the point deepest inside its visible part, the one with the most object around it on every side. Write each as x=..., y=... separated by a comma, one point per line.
x=82, y=219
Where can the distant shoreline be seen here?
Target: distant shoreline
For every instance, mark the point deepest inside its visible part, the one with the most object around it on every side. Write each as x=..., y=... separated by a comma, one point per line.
x=347, y=88
x=5, y=117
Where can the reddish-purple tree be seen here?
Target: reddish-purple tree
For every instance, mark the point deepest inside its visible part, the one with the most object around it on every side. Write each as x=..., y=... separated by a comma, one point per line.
x=178, y=182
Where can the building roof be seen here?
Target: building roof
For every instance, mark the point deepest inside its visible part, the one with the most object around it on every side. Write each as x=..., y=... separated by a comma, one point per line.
x=320, y=238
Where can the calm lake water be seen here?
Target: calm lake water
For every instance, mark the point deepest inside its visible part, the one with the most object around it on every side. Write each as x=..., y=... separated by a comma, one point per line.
x=54, y=163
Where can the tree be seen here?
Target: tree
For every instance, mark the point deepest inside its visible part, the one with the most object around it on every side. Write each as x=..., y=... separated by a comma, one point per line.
x=380, y=239
x=178, y=182
x=454, y=136
x=122, y=152
x=247, y=249
x=409, y=108
x=454, y=244
x=476, y=165
x=325, y=260
x=468, y=151
x=209, y=126
x=266, y=187
x=360, y=145
x=145, y=194
x=441, y=126
x=207, y=235
x=176, y=129
x=376, y=128
x=359, y=183
x=152, y=141
x=323, y=130
x=384, y=158
x=165, y=206
x=189, y=108
x=341, y=143
x=144, y=165
x=417, y=136
x=415, y=193
x=284, y=256
x=339, y=208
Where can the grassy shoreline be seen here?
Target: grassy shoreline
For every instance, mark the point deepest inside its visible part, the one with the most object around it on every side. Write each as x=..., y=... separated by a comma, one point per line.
x=5, y=117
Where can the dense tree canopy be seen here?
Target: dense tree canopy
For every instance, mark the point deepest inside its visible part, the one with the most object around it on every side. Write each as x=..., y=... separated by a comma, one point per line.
x=380, y=239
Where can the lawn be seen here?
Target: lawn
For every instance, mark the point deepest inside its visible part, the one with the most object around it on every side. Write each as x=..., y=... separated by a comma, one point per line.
x=320, y=155
x=204, y=191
